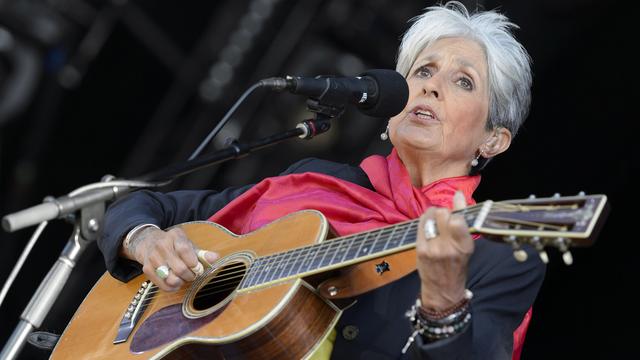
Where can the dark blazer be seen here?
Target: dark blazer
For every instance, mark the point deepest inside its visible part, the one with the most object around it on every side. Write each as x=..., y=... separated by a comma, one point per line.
x=375, y=327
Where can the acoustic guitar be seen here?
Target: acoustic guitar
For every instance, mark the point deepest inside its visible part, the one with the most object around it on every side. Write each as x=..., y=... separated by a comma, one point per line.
x=272, y=292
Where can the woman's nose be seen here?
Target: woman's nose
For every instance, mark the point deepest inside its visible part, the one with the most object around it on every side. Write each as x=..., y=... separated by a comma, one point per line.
x=431, y=87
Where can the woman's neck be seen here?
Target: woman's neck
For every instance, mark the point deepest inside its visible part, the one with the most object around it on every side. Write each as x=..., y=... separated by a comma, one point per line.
x=423, y=172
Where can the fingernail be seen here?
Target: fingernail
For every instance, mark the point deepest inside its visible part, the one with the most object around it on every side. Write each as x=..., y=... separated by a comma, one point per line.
x=459, y=201
x=211, y=256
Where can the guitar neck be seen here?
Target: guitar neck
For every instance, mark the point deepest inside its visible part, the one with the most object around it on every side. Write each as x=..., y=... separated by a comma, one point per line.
x=560, y=222
x=341, y=252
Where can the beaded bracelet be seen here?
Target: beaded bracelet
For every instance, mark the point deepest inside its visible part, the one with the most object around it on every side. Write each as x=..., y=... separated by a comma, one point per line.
x=438, y=328
x=435, y=315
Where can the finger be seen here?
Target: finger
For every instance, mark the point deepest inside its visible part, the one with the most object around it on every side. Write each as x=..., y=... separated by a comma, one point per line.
x=155, y=260
x=150, y=271
x=459, y=201
x=458, y=228
x=441, y=216
x=169, y=256
x=460, y=234
x=179, y=268
x=207, y=257
x=186, y=251
x=430, y=213
x=173, y=281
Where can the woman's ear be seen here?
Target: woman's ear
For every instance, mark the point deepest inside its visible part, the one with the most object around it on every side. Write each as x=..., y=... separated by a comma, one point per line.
x=499, y=142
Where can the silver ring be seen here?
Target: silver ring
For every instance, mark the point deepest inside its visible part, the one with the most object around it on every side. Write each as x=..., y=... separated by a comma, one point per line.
x=163, y=271
x=430, y=230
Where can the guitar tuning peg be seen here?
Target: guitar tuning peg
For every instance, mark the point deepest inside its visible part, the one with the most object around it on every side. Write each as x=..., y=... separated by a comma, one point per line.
x=563, y=246
x=537, y=244
x=567, y=258
x=519, y=254
x=543, y=256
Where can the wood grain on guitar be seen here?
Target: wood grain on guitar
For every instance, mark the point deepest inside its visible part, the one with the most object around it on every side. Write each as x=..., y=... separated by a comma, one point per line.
x=256, y=301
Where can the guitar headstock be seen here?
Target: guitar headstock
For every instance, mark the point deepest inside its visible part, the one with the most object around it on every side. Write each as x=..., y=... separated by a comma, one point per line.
x=558, y=221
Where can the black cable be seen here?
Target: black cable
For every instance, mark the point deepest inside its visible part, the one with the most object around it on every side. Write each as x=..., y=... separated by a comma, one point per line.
x=224, y=120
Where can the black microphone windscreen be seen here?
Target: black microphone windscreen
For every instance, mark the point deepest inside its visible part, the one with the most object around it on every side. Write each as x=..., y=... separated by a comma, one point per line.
x=393, y=93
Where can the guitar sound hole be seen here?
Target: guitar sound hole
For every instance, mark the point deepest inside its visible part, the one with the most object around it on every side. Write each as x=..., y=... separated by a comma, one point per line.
x=221, y=285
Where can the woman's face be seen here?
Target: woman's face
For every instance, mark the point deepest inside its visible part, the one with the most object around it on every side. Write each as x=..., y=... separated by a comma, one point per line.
x=448, y=103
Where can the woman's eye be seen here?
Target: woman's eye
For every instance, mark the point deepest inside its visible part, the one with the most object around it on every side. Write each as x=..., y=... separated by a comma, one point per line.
x=465, y=83
x=423, y=71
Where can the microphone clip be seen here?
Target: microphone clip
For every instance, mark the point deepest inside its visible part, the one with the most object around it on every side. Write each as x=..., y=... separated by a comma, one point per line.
x=327, y=109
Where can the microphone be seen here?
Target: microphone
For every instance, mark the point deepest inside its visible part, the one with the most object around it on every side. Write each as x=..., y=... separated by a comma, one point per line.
x=377, y=92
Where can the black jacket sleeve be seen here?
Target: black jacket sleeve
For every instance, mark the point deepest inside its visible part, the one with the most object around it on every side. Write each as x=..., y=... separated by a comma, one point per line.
x=503, y=289
x=167, y=209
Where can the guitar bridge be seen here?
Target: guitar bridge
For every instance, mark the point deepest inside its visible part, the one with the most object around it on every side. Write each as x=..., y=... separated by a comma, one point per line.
x=136, y=308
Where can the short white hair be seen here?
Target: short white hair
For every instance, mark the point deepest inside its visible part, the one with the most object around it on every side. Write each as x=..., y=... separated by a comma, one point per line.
x=509, y=64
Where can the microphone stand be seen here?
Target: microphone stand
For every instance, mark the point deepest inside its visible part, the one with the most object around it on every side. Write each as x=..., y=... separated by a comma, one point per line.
x=90, y=201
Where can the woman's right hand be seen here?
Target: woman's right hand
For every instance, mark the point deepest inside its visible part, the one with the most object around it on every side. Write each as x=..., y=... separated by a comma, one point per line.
x=153, y=248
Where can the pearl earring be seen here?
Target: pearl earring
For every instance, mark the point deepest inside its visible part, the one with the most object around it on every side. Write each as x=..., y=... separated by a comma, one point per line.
x=474, y=162
x=385, y=135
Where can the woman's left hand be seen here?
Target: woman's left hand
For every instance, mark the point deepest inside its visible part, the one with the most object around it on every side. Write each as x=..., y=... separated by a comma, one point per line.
x=442, y=260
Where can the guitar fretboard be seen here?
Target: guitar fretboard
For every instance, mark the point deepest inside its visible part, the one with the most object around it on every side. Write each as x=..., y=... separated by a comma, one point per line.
x=311, y=259
x=338, y=252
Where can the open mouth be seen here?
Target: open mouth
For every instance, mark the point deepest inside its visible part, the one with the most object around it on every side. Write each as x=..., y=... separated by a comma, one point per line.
x=425, y=114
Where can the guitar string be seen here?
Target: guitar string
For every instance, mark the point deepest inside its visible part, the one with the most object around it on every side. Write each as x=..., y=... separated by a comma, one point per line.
x=329, y=248
x=322, y=251
x=212, y=286
x=225, y=280
x=330, y=245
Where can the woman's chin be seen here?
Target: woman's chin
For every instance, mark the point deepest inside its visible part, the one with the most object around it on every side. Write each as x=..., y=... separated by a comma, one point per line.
x=417, y=145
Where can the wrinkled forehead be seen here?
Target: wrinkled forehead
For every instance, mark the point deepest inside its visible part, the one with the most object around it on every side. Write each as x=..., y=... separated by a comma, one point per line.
x=462, y=51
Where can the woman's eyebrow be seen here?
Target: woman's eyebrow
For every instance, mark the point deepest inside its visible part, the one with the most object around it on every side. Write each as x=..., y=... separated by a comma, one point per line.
x=466, y=64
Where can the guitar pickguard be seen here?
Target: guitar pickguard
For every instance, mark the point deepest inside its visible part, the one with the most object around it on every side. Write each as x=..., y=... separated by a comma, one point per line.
x=166, y=325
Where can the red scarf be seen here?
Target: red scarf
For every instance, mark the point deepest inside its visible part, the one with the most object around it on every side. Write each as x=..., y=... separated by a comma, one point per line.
x=348, y=207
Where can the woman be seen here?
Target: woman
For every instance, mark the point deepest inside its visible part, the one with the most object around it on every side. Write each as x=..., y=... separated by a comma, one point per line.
x=469, y=91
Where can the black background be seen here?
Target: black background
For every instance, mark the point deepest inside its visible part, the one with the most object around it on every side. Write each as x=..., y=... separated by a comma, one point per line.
x=139, y=105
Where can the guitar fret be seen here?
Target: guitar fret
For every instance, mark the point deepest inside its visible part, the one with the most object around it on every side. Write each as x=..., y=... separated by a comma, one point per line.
x=352, y=252
x=295, y=261
x=347, y=248
x=360, y=241
x=317, y=257
x=364, y=246
x=287, y=263
x=388, y=242
x=404, y=236
x=311, y=257
x=410, y=234
x=341, y=249
x=277, y=267
x=375, y=246
x=327, y=260
x=264, y=270
x=305, y=260
x=248, y=277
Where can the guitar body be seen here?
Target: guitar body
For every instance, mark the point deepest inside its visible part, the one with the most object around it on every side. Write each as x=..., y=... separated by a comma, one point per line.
x=283, y=320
